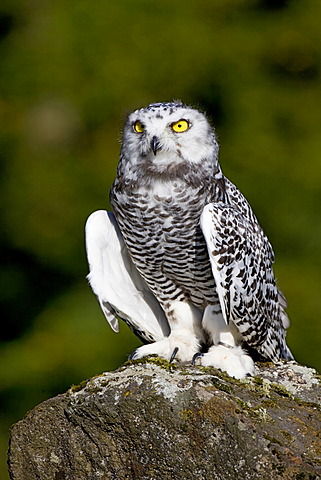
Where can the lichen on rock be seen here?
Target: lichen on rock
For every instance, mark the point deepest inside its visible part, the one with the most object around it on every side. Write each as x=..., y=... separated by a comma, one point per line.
x=151, y=420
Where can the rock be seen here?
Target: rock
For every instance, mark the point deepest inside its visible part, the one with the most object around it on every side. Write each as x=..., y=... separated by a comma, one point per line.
x=154, y=420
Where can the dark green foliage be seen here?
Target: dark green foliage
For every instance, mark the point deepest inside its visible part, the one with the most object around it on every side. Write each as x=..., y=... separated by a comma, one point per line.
x=69, y=72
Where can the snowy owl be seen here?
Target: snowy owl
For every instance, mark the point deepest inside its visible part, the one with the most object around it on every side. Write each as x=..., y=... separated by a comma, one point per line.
x=182, y=259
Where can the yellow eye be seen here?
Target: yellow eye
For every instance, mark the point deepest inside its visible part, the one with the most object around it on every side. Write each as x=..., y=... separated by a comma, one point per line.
x=180, y=126
x=139, y=127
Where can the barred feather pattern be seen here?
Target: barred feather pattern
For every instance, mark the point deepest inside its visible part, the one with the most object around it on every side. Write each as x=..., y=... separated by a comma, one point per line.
x=165, y=241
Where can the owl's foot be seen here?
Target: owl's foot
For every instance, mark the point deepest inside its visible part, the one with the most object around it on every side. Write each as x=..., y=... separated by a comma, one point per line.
x=232, y=360
x=180, y=345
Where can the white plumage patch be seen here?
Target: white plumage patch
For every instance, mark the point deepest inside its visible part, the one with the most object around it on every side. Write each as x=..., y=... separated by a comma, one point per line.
x=120, y=289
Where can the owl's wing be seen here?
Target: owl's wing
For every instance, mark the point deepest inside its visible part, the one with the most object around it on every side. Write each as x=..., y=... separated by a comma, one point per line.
x=241, y=259
x=120, y=289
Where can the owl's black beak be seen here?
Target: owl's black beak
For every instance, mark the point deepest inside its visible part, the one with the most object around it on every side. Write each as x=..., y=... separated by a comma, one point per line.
x=155, y=145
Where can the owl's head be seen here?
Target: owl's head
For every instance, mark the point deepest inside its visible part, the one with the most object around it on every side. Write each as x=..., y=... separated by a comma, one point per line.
x=166, y=134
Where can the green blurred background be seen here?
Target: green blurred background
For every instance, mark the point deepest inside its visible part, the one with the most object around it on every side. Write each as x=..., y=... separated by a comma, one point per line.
x=70, y=71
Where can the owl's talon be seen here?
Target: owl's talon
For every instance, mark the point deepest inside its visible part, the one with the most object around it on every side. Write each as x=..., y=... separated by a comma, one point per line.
x=196, y=356
x=132, y=355
x=173, y=354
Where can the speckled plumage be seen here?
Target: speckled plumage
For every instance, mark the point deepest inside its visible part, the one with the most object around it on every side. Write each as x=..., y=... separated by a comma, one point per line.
x=195, y=241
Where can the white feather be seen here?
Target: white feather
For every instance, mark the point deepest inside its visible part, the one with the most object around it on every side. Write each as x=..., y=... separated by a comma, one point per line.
x=207, y=227
x=114, y=279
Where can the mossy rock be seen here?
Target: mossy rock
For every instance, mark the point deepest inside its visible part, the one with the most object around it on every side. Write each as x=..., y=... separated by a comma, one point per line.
x=154, y=420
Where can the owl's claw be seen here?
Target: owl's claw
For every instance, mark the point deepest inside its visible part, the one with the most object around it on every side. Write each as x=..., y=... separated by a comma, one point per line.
x=195, y=357
x=173, y=354
x=132, y=355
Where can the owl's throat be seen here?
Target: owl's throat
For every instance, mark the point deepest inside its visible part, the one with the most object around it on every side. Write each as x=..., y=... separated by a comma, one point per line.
x=161, y=163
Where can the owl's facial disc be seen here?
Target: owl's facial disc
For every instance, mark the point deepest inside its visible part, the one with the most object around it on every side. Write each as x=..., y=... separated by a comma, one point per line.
x=167, y=133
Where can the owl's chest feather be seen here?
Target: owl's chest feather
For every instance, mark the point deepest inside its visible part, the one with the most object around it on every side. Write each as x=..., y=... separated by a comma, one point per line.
x=162, y=214
x=161, y=229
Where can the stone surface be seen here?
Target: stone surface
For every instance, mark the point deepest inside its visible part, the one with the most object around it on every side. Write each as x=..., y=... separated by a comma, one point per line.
x=154, y=420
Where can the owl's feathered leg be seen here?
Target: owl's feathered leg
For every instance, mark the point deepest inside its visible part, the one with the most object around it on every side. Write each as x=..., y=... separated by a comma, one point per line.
x=185, y=336
x=226, y=352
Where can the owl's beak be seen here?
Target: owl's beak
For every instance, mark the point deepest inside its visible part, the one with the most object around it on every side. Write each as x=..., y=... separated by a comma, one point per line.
x=155, y=144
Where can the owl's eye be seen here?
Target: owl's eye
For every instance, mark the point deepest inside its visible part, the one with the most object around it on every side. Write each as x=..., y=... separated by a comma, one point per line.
x=139, y=127
x=180, y=126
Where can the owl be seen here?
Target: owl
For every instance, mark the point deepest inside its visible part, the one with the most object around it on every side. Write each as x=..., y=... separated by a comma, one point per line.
x=182, y=259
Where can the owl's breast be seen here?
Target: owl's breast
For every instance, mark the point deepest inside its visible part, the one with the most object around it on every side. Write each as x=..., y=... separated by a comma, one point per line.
x=161, y=224
x=161, y=212
x=162, y=233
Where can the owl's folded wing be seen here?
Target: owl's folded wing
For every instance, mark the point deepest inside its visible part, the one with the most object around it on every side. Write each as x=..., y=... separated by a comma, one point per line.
x=241, y=260
x=120, y=289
